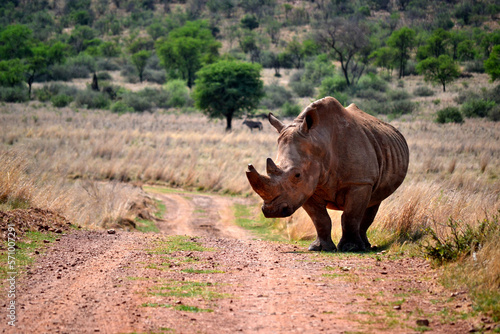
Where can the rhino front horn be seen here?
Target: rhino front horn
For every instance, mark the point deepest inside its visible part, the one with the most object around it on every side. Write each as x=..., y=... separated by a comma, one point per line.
x=259, y=183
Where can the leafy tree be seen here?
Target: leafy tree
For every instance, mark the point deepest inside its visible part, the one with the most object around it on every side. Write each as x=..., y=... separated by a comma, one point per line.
x=36, y=64
x=140, y=60
x=440, y=70
x=57, y=53
x=294, y=48
x=228, y=88
x=11, y=72
x=273, y=28
x=249, y=22
x=436, y=45
x=187, y=49
x=347, y=39
x=492, y=64
x=15, y=42
x=80, y=38
x=385, y=57
x=466, y=50
x=402, y=40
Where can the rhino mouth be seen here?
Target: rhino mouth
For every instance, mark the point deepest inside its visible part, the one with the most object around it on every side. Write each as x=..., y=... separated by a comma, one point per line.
x=277, y=211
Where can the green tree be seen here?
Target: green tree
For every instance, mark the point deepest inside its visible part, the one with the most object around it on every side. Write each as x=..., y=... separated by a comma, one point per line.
x=11, y=72
x=36, y=64
x=228, y=88
x=492, y=64
x=140, y=60
x=436, y=44
x=249, y=22
x=402, y=40
x=15, y=42
x=439, y=70
x=385, y=57
x=187, y=49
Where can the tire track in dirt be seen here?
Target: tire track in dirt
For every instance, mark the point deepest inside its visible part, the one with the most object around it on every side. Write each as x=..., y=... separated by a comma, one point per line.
x=199, y=215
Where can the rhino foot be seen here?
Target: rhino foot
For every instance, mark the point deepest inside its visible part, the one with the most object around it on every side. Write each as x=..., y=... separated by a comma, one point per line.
x=316, y=246
x=347, y=246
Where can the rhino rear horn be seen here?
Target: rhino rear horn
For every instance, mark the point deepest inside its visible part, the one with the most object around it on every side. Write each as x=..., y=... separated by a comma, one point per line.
x=259, y=183
x=278, y=125
x=271, y=168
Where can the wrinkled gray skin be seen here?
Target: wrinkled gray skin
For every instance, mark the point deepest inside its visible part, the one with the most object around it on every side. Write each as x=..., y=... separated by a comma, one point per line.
x=336, y=158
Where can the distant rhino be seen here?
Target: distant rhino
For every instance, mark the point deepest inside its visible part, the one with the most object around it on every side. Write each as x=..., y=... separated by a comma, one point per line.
x=253, y=124
x=336, y=158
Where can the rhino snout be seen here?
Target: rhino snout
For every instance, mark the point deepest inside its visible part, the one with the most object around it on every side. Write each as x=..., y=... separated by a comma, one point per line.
x=279, y=211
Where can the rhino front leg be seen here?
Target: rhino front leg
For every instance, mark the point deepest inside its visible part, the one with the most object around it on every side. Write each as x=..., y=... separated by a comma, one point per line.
x=356, y=201
x=323, y=225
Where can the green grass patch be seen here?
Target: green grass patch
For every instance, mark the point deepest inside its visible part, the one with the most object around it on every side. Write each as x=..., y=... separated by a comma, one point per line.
x=201, y=271
x=262, y=227
x=180, y=307
x=187, y=289
x=144, y=225
x=177, y=243
x=23, y=256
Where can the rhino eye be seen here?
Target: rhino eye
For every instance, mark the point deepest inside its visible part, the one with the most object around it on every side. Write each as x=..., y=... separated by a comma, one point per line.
x=297, y=175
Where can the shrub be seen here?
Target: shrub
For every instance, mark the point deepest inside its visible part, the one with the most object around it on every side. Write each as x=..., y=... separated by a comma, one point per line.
x=137, y=102
x=494, y=113
x=121, y=107
x=61, y=100
x=106, y=64
x=449, y=115
x=475, y=66
x=14, y=94
x=92, y=100
x=302, y=89
x=331, y=86
x=477, y=107
x=104, y=76
x=371, y=94
x=178, y=94
x=290, y=110
x=398, y=95
x=402, y=107
x=275, y=96
x=372, y=81
x=66, y=72
x=43, y=94
x=423, y=91
x=155, y=76
x=463, y=240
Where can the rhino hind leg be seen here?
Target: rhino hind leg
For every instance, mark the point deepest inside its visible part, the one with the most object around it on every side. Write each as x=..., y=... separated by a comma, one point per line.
x=368, y=218
x=353, y=235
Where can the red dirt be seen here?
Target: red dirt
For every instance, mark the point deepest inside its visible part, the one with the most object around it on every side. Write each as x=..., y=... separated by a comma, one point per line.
x=116, y=283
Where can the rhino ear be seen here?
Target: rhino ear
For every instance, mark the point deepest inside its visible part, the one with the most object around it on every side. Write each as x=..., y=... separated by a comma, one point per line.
x=311, y=119
x=278, y=125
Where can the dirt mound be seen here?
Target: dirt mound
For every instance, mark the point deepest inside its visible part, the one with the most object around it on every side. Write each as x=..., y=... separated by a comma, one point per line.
x=32, y=220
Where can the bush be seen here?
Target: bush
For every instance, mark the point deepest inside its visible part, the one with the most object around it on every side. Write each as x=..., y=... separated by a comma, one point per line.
x=92, y=100
x=371, y=94
x=137, y=102
x=398, y=95
x=423, y=91
x=61, y=100
x=290, y=110
x=477, y=108
x=43, y=94
x=155, y=76
x=121, y=107
x=178, y=94
x=402, y=107
x=331, y=86
x=275, y=97
x=372, y=81
x=14, y=94
x=476, y=66
x=105, y=64
x=104, y=76
x=449, y=115
x=494, y=113
x=302, y=89
x=67, y=72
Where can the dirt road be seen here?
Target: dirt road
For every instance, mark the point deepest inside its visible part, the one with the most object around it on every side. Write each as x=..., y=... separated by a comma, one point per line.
x=221, y=279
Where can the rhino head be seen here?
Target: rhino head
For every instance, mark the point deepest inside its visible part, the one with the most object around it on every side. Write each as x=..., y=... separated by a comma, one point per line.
x=293, y=178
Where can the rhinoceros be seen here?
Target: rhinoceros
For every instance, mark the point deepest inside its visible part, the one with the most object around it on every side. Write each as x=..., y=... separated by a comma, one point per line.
x=337, y=158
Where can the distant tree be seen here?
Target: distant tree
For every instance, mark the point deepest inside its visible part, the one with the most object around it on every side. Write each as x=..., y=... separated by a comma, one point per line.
x=228, y=88
x=187, y=49
x=466, y=50
x=488, y=41
x=249, y=22
x=402, y=40
x=441, y=70
x=294, y=48
x=15, y=42
x=140, y=59
x=385, y=57
x=492, y=64
x=35, y=64
x=58, y=52
x=273, y=28
x=436, y=45
x=11, y=72
x=347, y=40
x=80, y=36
